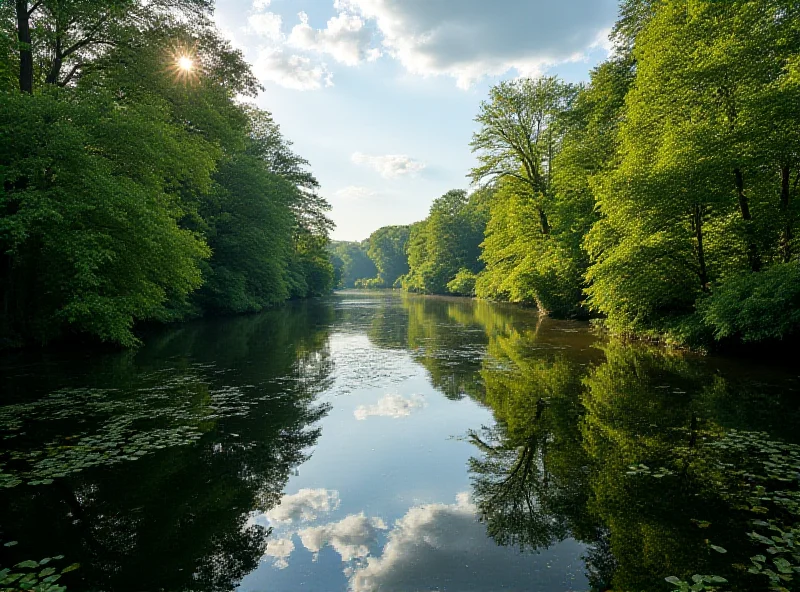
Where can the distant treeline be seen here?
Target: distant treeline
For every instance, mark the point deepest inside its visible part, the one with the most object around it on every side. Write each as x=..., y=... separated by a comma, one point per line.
x=661, y=196
x=135, y=185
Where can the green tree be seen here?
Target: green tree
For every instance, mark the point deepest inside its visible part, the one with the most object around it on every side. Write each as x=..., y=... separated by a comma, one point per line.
x=250, y=233
x=58, y=40
x=447, y=242
x=701, y=194
x=529, y=251
x=387, y=249
x=519, y=136
x=355, y=263
x=76, y=263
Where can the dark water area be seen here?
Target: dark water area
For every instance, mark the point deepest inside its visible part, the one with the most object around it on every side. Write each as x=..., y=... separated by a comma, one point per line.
x=382, y=442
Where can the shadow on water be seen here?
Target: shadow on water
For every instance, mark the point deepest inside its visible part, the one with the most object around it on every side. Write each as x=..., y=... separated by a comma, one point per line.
x=146, y=468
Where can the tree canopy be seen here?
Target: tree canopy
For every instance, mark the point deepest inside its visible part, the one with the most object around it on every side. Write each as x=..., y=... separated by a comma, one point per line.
x=133, y=190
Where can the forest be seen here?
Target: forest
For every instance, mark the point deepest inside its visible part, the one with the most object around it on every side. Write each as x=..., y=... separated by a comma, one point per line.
x=660, y=198
x=137, y=185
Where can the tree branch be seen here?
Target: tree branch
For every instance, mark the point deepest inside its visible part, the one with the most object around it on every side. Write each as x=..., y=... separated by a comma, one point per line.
x=33, y=8
x=71, y=74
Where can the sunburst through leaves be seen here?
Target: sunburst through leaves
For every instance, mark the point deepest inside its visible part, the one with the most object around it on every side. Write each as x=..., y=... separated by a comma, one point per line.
x=184, y=65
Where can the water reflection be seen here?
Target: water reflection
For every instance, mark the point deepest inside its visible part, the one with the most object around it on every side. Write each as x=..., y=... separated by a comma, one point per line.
x=617, y=446
x=383, y=442
x=177, y=517
x=443, y=547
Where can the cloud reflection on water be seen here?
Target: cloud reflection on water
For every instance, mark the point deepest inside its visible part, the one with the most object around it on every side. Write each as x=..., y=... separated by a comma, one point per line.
x=444, y=547
x=432, y=546
x=304, y=506
x=395, y=406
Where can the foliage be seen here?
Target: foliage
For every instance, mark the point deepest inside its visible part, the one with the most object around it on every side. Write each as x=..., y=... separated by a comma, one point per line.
x=701, y=194
x=463, y=284
x=250, y=234
x=128, y=187
x=698, y=583
x=387, y=249
x=447, y=241
x=663, y=191
x=87, y=265
x=755, y=307
x=39, y=576
x=353, y=261
x=545, y=140
x=522, y=264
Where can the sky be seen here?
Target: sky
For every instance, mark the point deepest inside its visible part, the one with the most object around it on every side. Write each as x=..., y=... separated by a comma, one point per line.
x=380, y=96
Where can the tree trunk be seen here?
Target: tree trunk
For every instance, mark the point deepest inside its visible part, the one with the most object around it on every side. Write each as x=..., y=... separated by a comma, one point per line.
x=58, y=57
x=786, y=238
x=543, y=221
x=744, y=207
x=25, y=50
x=55, y=69
x=697, y=223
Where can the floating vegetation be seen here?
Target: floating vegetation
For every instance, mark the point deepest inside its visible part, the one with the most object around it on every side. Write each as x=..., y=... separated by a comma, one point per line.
x=761, y=477
x=641, y=469
x=699, y=583
x=87, y=428
x=38, y=576
x=768, y=474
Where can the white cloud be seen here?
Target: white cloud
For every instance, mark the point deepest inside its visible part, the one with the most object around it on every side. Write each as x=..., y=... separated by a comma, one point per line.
x=265, y=24
x=351, y=537
x=279, y=550
x=304, y=505
x=355, y=192
x=389, y=165
x=475, y=38
x=291, y=71
x=443, y=546
x=603, y=40
x=261, y=4
x=345, y=38
x=391, y=406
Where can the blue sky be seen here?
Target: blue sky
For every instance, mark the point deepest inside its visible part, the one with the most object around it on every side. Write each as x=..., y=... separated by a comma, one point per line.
x=380, y=95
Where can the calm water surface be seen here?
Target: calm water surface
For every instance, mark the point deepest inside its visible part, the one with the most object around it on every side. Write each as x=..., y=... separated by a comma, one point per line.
x=374, y=442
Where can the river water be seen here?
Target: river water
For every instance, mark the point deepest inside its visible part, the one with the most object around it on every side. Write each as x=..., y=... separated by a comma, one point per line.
x=376, y=441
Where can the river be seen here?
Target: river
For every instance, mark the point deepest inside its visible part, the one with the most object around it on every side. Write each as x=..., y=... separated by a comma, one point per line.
x=384, y=442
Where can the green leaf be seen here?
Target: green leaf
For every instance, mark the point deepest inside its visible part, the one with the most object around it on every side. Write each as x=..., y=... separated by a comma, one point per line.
x=718, y=549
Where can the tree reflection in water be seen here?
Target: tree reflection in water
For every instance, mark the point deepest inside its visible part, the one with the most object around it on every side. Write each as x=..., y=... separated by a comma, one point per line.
x=190, y=503
x=576, y=417
x=657, y=464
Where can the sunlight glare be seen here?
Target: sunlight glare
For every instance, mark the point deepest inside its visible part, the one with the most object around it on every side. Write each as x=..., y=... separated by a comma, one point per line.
x=185, y=63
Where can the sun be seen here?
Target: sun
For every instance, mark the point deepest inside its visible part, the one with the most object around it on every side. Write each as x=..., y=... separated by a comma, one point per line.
x=183, y=63
x=186, y=63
